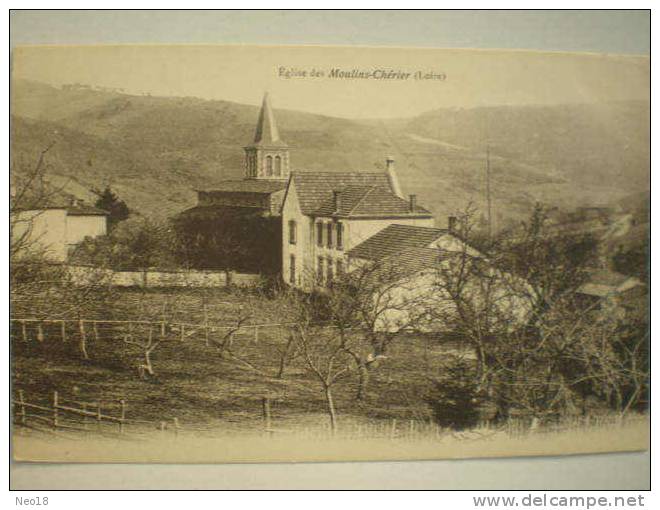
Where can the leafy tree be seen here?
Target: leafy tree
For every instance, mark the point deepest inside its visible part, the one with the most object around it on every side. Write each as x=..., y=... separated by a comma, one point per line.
x=134, y=244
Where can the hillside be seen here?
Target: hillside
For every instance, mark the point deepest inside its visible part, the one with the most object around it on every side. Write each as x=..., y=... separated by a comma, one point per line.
x=154, y=150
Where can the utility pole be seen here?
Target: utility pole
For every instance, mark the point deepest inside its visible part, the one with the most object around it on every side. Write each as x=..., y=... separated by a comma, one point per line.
x=488, y=200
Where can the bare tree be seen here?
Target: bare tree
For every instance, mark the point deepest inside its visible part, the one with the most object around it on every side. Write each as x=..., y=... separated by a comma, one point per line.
x=322, y=353
x=369, y=307
x=147, y=346
x=539, y=349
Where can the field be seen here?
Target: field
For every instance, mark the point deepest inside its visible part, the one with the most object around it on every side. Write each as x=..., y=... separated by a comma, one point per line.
x=201, y=406
x=194, y=384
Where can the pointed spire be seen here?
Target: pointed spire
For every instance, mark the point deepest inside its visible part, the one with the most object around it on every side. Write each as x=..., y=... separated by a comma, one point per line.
x=266, y=133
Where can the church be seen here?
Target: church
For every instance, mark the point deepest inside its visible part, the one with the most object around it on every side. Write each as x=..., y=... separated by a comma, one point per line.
x=236, y=225
x=306, y=226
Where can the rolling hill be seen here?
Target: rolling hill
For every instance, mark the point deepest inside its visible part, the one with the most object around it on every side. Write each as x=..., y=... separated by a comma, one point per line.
x=154, y=151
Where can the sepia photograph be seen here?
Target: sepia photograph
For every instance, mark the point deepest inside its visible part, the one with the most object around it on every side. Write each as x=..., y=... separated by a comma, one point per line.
x=275, y=253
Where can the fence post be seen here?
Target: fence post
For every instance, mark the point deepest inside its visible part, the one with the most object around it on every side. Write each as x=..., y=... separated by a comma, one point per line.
x=95, y=325
x=206, y=325
x=40, y=332
x=85, y=417
x=98, y=416
x=393, y=428
x=183, y=333
x=63, y=331
x=176, y=426
x=24, y=331
x=21, y=400
x=83, y=339
x=122, y=403
x=256, y=334
x=266, y=415
x=162, y=330
x=55, y=402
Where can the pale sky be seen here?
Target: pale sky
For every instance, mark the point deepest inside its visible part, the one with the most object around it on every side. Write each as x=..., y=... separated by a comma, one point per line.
x=242, y=73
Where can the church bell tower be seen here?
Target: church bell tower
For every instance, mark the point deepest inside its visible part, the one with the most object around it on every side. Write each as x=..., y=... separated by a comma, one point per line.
x=268, y=156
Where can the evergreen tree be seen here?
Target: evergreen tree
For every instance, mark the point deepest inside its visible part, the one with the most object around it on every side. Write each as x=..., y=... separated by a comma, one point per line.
x=110, y=202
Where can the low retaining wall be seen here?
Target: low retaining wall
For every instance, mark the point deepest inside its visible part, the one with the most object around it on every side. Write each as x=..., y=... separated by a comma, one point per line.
x=85, y=275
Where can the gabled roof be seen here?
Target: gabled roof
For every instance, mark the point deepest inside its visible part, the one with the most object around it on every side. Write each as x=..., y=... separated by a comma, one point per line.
x=396, y=239
x=368, y=201
x=78, y=209
x=267, y=134
x=265, y=187
x=315, y=194
x=405, y=264
x=602, y=282
x=85, y=210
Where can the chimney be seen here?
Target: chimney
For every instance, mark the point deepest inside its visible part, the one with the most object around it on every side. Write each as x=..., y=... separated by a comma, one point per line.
x=336, y=196
x=413, y=203
x=451, y=224
x=392, y=177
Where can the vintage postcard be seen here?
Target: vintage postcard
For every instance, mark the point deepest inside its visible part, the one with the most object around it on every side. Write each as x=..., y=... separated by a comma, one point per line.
x=304, y=253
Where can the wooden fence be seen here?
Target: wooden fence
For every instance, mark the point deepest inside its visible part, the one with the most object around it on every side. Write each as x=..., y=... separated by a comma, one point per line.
x=32, y=328
x=60, y=416
x=69, y=415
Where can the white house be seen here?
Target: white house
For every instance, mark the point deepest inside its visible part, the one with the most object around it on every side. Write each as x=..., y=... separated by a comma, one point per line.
x=326, y=214
x=53, y=231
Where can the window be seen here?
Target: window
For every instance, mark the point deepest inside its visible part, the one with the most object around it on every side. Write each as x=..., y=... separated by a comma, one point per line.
x=329, y=235
x=292, y=269
x=319, y=234
x=331, y=275
x=269, y=165
x=340, y=268
x=319, y=272
x=292, y=232
x=278, y=166
x=340, y=236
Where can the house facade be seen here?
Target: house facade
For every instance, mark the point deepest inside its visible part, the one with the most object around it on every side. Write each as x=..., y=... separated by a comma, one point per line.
x=326, y=214
x=54, y=231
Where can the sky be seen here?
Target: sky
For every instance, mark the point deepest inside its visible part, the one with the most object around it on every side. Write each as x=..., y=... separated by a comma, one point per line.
x=599, y=31
x=241, y=73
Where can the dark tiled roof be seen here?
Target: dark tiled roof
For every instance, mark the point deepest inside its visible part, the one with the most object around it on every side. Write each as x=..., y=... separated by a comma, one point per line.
x=350, y=197
x=265, y=187
x=407, y=263
x=315, y=188
x=219, y=211
x=395, y=239
x=369, y=201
